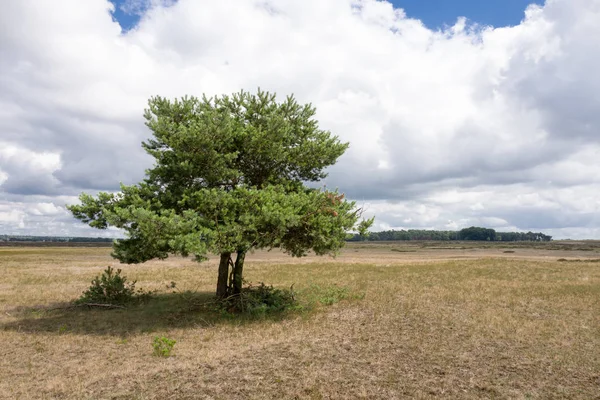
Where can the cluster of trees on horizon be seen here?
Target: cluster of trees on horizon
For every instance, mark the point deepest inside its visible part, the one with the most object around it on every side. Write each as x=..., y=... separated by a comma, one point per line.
x=472, y=233
x=28, y=238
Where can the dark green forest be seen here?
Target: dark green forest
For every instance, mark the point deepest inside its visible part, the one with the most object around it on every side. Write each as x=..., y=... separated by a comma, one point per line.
x=472, y=233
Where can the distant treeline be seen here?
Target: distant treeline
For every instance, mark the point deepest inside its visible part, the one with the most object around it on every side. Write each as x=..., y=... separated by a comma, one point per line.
x=472, y=233
x=53, y=239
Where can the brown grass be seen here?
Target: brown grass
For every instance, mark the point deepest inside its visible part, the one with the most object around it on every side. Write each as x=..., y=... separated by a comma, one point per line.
x=434, y=323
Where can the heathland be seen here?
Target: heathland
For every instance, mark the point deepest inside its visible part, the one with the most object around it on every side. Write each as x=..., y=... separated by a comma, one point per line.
x=382, y=320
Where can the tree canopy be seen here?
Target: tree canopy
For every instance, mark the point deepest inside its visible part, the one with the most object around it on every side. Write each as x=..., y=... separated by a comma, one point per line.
x=229, y=176
x=477, y=233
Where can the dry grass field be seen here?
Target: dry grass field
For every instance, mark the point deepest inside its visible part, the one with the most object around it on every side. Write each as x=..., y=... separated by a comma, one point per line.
x=423, y=320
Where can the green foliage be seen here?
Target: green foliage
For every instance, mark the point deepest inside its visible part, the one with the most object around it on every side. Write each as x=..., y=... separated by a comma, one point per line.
x=229, y=177
x=472, y=233
x=109, y=288
x=316, y=295
x=163, y=346
x=264, y=300
x=477, y=233
x=259, y=300
x=332, y=295
x=112, y=288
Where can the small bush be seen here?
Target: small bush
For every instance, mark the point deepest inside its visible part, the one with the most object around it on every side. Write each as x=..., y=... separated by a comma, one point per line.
x=163, y=346
x=111, y=288
x=259, y=300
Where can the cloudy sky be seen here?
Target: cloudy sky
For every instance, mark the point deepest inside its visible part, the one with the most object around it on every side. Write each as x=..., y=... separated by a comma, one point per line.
x=490, y=120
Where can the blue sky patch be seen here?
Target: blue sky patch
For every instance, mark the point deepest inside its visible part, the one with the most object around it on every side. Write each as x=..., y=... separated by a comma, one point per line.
x=439, y=13
x=435, y=14
x=127, y=20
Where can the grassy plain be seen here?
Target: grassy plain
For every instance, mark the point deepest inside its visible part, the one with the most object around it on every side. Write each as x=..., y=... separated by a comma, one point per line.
x=425, y=320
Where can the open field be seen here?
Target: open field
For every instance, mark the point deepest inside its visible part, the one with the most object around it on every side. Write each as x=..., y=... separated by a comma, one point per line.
x=425, y=320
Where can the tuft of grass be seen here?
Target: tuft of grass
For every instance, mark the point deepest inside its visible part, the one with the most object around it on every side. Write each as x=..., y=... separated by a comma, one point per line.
x=319, y=295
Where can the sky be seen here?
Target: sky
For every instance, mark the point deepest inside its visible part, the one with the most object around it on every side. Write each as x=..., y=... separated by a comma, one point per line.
x=458, y=113
x=437, y=14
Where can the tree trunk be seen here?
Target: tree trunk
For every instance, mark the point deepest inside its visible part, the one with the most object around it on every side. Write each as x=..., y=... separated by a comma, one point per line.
x=223, y=275
x=238, y=269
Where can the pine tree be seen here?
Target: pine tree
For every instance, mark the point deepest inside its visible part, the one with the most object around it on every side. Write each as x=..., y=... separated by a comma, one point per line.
x=230, y=176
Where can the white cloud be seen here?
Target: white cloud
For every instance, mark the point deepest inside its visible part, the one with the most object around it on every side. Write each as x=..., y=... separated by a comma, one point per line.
x=49, y=209
x=3, y=177
x=27, y=172
x=449, y=128
x=11, y=216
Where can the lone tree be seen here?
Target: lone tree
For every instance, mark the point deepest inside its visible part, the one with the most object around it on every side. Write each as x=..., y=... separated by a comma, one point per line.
x=228, y=177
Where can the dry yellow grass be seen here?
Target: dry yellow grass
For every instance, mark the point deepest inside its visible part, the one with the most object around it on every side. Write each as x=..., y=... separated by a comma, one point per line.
x=434, y=323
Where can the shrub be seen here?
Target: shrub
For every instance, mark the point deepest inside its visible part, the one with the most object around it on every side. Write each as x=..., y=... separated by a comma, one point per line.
x=109, y=288
x=259, y=300
x=163, y=346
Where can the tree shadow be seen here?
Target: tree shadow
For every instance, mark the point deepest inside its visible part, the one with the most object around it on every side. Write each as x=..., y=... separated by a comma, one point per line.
x=161, y=311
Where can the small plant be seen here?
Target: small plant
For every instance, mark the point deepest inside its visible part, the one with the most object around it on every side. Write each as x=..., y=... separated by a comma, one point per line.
x=326, y=296
x=333, y=294
x=109, y=288
x=163, y=346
